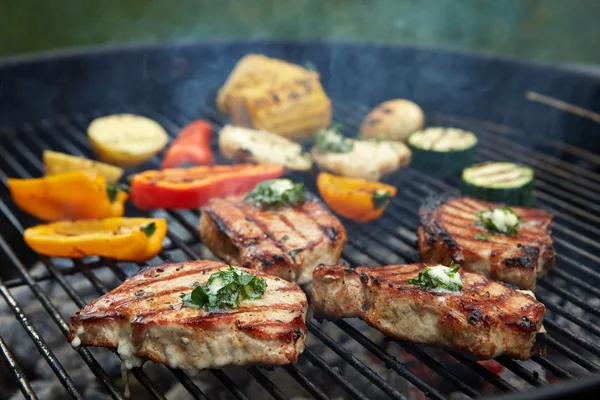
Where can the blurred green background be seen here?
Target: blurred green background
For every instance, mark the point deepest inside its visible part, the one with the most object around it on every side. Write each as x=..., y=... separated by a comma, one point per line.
x=551, y=31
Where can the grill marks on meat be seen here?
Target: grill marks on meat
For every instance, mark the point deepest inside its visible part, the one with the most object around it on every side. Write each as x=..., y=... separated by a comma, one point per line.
x=144, y=317
x=447, y=233
x=288, y=242
x=486, y=319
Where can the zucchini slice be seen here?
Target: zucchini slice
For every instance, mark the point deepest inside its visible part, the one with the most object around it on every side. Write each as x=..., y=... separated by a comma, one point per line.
x=499, y=182
x=442, y=151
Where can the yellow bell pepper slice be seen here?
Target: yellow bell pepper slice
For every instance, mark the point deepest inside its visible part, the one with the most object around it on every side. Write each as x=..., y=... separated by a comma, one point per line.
x=71, y=196
x=59, y=163
x=127, y=239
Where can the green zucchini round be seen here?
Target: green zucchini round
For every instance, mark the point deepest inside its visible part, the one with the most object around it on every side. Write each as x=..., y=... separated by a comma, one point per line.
x=499, y=182
x=442, y=151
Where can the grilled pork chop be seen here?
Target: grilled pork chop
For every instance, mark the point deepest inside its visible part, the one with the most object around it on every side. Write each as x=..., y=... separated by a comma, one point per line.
x=450, y=231
x=486, y=319
x=144, y=317
x=288, y=242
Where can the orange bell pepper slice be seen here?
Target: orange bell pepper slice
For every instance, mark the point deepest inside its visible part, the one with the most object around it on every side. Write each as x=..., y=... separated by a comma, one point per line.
x=73, y=195
x=356, y=199
x=127, y=239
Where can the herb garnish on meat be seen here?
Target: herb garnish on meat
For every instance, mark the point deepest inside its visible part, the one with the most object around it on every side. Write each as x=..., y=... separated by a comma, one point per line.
x=439, y=278
x=500, y=220
x=277, y=193
x=224, y=289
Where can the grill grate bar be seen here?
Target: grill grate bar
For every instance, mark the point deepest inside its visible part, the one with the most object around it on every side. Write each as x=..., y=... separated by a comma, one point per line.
x=16, y=282
x=310, y=387
x=571, y=354
x=569, y=296
x=484, y=372
x=334, y=374
x=355, y=362
x=516, y=368
x=229, y=384
x=17, y=373
x=552, y=367
x=40, y=343
x=573, y=318
x=576, y=281
x=402, y=369
x=585, y=344
x=266, y=383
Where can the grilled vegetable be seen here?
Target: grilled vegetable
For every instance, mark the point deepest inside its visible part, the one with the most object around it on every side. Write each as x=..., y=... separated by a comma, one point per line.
x=128, y=239
x=442, y=151
x=275, y=96
x=192, y=147
x=192, y=187
x=126, y=140
x=392, y=120
x=60, y=163
x=438, y=278
x=358, y=158
x=276, y=193
x=356, y=199
x=74, y=195
x=225, y=288
x=500, y=182
x=261, y=147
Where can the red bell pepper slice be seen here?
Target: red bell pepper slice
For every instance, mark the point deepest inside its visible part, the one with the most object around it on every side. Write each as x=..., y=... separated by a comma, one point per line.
x=192, y=146
x=190, y=188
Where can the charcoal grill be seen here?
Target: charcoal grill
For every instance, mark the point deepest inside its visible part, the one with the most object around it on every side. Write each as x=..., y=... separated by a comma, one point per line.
x=46, y=102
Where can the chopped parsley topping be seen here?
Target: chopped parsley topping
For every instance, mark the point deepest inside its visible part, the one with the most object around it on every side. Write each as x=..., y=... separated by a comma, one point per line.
x=479, y=236
x=224, y=289
x=277, y=193
x=381, y=198
x=439, y=278
x=332, y=141
x=500, y=220
x=113, y=188
x=149, y=229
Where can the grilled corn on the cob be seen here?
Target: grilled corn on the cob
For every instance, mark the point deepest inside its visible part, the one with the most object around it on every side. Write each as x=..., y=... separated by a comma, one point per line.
x=275, y=96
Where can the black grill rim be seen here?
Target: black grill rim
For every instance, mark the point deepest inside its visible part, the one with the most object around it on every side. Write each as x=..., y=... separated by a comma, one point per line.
x=70, y=131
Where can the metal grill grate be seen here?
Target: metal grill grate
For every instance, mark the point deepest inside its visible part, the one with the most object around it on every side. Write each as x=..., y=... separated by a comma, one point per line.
x=568, y=185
